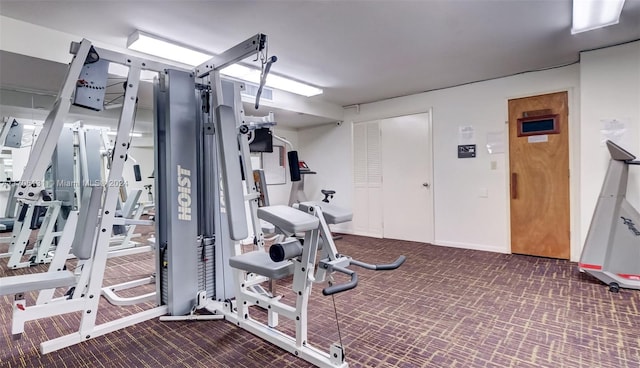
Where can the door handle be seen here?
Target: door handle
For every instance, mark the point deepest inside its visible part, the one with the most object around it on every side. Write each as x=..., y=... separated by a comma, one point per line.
x=514, y=186
x=426, y=185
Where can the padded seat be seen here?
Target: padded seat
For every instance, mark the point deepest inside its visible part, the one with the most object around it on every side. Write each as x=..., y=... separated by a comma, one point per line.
x=260, y=263
x=288, y=218
x=332, y=214
x=7, y=222
x=36, y=281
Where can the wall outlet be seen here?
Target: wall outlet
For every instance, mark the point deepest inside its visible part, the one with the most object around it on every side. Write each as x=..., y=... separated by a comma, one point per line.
x=494, y=165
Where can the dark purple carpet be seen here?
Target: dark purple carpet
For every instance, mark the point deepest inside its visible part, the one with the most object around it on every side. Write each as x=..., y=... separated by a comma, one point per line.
x=445, y=307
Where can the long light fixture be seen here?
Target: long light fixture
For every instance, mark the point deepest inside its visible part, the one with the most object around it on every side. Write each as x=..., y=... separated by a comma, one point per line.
x=593, y=14
x=153, y=45
x=253, y=75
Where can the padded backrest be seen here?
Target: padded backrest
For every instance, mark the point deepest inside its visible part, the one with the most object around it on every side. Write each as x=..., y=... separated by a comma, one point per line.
x=332, y=214
x=288, y=218
x=83, y=240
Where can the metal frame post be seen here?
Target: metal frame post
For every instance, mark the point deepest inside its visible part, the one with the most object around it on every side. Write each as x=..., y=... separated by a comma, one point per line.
x=176, y=182
x=31, y=184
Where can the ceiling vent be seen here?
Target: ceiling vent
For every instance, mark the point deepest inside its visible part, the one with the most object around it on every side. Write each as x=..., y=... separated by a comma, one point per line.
x=251, y=90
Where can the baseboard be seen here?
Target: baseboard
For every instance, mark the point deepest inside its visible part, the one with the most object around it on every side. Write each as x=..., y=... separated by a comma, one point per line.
x=362, y=233
x=483, y=247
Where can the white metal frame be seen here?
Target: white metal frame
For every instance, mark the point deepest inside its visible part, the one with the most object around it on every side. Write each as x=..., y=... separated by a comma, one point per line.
x=132, y=219
x=40, y=252
x=44, y=241
x=86, y=295
x=303, y=278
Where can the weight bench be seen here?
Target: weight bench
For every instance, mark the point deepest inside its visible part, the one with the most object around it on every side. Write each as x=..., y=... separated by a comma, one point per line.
x=289, y=220
x=37, y=281
x=332, y=214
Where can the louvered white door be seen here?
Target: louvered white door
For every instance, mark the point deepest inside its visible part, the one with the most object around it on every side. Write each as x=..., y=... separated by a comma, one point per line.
x=407, y=191
x=367, y=167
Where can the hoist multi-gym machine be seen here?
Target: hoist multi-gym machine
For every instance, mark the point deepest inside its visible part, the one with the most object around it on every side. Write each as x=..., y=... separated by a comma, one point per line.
x=201, y=163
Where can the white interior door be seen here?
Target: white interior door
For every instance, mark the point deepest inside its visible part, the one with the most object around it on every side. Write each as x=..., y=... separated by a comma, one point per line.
x=407, y=192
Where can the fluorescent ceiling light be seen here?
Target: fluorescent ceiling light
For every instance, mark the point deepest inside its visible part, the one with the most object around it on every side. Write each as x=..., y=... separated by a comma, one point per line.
x=153, y=45
x=253, y=75
x=593, y=14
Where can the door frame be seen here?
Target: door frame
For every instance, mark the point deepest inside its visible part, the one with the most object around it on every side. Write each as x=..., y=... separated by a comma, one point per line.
x=574, y=167
x=430, y=162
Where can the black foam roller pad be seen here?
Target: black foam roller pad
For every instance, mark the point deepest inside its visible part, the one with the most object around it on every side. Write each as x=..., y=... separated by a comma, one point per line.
x=287, y=250
x=136, y=172
x=294, y=168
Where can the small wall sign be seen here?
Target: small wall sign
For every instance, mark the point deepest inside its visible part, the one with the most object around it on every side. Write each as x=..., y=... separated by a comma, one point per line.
x=538, y=138
x=466, y=151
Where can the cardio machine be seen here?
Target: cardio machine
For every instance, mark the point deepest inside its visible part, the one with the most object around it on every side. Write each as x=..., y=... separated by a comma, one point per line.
x=612, y=248
x=298, y=170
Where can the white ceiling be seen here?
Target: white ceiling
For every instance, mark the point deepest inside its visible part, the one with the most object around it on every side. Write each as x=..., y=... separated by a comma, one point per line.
x=357, y=51
x=32, y=83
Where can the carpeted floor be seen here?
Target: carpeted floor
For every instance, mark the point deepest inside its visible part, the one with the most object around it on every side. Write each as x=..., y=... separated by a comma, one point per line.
x=444, y=307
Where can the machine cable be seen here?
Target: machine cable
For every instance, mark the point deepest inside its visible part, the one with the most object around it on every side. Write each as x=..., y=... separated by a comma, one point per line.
x=203, y=200
x=335, y=309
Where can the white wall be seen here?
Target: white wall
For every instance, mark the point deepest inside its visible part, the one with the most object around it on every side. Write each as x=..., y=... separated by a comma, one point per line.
x=463, y=216
x=610, y=89
x=605, y=85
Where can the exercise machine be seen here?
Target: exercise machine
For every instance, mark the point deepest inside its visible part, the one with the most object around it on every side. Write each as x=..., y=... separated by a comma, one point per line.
x=86, y=232
x=7, y=222
x=49, y=211
x=298, y=171
x=30, y=219
x=11, y=136
x=200, y=221
x=212, y=272
x=77, y=159
x=612, y=249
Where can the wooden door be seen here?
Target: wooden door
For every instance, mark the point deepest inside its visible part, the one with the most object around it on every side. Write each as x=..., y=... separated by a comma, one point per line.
x=406, y=178
x=539, y=175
